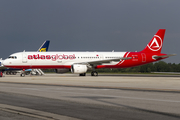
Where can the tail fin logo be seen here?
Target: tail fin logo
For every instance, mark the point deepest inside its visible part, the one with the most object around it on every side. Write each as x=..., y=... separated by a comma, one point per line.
x=155, y=44
x=42, y=50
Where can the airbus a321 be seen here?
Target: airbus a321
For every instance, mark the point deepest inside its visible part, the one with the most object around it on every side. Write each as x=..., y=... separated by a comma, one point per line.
x=81, y=62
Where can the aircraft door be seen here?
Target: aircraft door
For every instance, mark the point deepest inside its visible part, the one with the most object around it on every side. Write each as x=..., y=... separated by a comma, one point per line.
x=101, y=57
x=24, y=58
x=143, y=57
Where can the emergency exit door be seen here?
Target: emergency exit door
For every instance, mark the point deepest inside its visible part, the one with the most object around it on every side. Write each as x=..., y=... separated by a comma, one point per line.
x=24, y=58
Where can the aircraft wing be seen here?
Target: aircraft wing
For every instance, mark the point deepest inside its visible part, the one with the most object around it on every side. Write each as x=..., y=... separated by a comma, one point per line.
x=163, y=56
x=99, y=62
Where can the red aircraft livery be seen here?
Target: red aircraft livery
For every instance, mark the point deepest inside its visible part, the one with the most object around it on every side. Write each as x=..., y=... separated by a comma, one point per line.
x=81, y=62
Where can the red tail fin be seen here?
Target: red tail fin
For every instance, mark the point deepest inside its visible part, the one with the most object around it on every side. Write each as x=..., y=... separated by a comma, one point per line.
x=155, y=45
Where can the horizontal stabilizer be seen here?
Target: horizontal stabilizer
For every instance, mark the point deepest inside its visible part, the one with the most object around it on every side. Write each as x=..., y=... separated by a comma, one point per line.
x=163, y=56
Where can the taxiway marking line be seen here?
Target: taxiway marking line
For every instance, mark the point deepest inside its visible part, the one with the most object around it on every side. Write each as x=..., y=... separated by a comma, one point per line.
x=34, y=113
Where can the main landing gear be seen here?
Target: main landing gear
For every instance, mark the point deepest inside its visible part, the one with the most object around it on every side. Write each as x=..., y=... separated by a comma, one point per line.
x=94, y=73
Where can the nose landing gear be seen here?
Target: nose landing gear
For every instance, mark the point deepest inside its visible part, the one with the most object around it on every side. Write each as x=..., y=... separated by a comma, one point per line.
x=22, y=74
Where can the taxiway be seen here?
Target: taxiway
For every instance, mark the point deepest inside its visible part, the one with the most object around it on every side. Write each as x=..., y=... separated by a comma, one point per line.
x=69, y=96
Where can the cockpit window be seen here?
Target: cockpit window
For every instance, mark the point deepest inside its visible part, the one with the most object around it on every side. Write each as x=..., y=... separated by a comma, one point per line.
x=12, y=57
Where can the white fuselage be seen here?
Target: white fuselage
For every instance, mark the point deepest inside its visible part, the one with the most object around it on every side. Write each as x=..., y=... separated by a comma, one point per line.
x=58, y=59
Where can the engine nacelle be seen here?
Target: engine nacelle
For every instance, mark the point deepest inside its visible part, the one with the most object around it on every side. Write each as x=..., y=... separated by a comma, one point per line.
x=62, y=70
x=79, y=68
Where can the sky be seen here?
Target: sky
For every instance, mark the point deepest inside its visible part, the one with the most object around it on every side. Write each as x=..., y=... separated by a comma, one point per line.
x=88, y=25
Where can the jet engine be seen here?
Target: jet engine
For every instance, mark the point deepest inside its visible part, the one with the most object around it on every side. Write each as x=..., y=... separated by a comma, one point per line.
x=78, y=68
x=62, y=70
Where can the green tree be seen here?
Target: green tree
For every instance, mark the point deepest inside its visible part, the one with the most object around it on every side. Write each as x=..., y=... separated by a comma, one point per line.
x=161, y=66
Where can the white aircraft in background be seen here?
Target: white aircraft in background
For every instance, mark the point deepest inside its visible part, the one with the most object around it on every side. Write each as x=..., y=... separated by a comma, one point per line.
x=44, y=47
x=81, y=62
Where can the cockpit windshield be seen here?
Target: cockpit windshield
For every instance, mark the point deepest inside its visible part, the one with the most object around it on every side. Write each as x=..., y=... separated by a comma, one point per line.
x=12, y=57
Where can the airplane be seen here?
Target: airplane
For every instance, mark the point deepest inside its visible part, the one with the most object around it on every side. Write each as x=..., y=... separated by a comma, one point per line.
x=1, y=67
x=44, y=47
x=81, y=62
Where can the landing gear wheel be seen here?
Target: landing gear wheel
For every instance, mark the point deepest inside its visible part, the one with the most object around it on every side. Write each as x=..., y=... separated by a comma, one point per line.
x=82, y=74
x=14, y=73
x=94, y=73
x=27, y=73
x=22, y=74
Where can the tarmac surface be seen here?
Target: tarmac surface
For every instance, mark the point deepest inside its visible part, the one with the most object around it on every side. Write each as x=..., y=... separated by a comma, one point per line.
x=70, y=97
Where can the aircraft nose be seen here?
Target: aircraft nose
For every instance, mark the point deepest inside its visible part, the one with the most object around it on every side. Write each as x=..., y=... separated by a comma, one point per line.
x=4, y=63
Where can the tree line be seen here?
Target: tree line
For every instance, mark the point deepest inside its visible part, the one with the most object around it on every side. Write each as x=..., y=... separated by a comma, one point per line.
x=160, y=66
